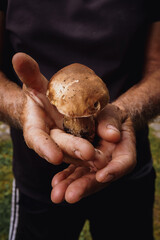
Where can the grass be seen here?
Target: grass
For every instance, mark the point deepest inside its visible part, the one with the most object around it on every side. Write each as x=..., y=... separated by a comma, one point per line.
x=155, y=148
x=6, y=185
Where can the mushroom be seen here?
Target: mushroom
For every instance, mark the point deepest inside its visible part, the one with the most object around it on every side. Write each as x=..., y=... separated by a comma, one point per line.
x=79, y=94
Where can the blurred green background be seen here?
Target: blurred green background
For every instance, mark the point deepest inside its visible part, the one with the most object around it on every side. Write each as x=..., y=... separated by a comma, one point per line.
x=6, y=183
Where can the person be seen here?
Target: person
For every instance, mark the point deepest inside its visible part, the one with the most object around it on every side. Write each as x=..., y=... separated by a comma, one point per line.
x=120, y=41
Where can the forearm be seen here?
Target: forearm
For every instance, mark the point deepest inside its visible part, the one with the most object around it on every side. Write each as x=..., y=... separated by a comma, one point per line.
x=11, y=102
x=11, y=96
x=142, y=101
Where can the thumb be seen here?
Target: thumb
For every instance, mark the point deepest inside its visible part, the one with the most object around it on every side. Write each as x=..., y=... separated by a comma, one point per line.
x=123, y=159
x=109, y=123
x=28, y=72
x=35, y=84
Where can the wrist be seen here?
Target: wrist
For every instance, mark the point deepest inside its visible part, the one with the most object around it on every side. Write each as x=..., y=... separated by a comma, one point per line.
x=12, y=101
x=13, y=113
x=18, y=120
x=121, y=110
x=129, y=112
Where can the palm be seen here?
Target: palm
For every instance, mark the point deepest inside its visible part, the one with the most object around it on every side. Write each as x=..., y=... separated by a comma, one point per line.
x=113, y=161
x=39, y=117
x=36, y=128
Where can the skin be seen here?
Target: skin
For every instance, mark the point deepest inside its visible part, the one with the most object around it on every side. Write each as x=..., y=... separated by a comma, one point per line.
x=128, y=113
x=24, y=108
x=115, y=156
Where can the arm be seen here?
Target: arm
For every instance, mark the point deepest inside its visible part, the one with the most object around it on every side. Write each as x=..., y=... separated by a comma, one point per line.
x=15, y=104
x=117, y=156
x=142, y=101
x=29, y=109
x=138, y=106
x=11, y=96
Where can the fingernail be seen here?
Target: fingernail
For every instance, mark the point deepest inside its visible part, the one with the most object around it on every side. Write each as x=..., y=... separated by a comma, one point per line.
x=98, y=155
x=99, y=152
x=34, y=97
x=92, y=166
x=78, y=154
x=104, y=179
x=46, y=158
x=109, y=178
x=111, y=127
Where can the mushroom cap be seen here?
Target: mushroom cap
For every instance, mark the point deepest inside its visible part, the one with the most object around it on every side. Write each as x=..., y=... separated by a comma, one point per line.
x=77, y=91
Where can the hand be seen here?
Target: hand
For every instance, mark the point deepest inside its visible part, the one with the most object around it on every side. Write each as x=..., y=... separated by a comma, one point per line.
x=117, y=144
x=39, y=117
x=116, y=157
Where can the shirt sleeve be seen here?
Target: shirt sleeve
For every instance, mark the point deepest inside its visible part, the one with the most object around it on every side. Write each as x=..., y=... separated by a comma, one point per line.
x=3, y=5
x=154, y=10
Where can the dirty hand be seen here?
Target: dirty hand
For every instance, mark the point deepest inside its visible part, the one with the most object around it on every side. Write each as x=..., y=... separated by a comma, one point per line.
x=38, y=117
x=116, y=157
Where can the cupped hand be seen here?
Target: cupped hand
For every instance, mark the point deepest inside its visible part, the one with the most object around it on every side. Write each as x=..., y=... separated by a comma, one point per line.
x=119, y=149
x=73, y=184
x=39, y=117
x=115, y=157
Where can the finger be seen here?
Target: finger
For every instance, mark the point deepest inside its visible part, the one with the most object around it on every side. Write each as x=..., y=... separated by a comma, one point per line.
x=104, y=153
x=38, y=140
x=115, y=169
x=74, y=146
x=59, y=190
x=83, y=187
x=109, y=124
x=36, y=84
x=79, y=163
x=28, y=71
x=123, y=159
x=36, y=133
x=41, y=100
x=62, y=175
x=108, y=132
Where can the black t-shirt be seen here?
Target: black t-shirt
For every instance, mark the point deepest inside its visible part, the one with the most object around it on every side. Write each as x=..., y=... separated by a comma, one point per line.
x=106, y=35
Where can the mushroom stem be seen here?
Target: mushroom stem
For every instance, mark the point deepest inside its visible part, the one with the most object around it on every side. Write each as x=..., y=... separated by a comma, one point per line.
x=81, y=127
